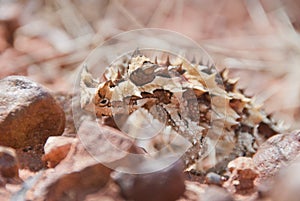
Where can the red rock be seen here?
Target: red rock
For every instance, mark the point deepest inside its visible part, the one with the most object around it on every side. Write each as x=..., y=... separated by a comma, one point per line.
x=163, y=185
x=30, y=157
x=28, y=113
x=56, y=149
x=243, y=174
x=78, y=175
x=276, y=152
x=104, y=143
x=9, y=165
x=81, y=173
x=77, y=184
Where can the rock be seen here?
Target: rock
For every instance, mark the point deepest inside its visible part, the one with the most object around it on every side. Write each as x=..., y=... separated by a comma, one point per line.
x=56, y=149
x=30, y=157
x=77, y=184
x=106, y=144
x=78, y=175
x=28, y=113
x=276, y=152
x=81, y=172
x=243, y=174
x=164, y=185
x=215, y=179
x=9, y=165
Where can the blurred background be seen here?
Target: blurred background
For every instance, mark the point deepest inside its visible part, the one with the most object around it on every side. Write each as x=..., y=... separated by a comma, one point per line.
x=258, y=40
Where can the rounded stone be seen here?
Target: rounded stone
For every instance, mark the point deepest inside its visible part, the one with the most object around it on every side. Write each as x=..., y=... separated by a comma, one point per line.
x=164, y=185
x=242, y=177
x=28, y=113
x=56, y=149
x=278, y=151
x=9, y=165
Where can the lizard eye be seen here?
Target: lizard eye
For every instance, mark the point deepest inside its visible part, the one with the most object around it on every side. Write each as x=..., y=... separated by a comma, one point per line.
x=103, y=102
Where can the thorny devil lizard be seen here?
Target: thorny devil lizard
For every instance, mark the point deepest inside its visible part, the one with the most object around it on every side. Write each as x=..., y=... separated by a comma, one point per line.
x=198, y=103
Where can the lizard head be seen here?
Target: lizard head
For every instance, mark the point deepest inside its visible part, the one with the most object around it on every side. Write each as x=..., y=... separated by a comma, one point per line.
x=95, y=96
x=102, y=99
